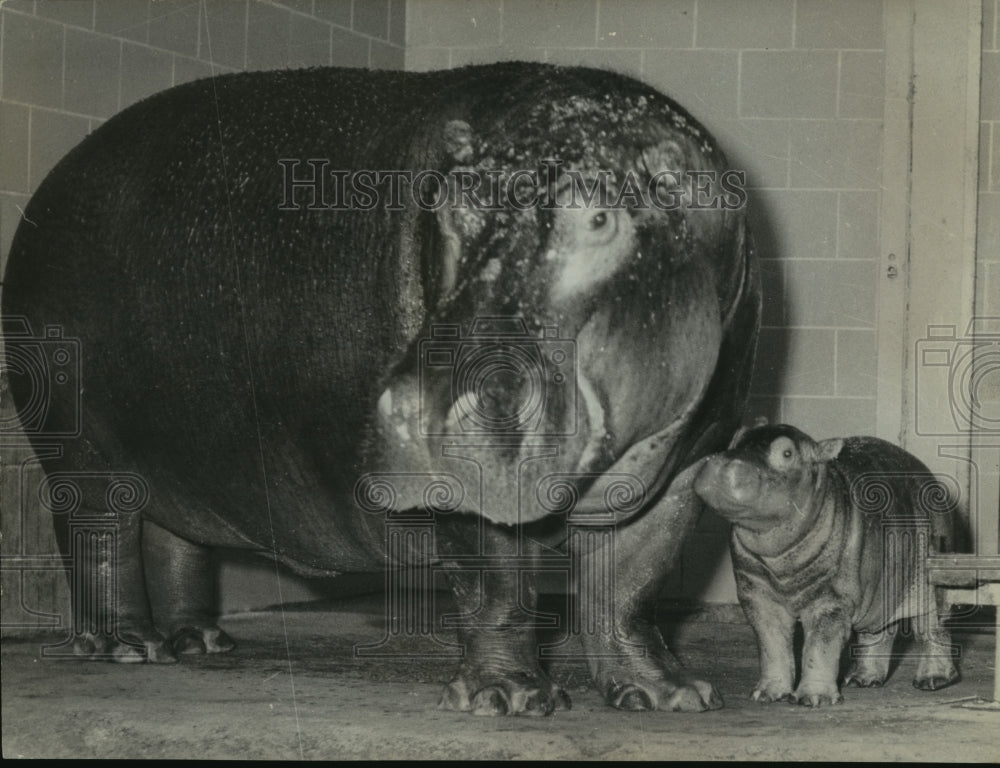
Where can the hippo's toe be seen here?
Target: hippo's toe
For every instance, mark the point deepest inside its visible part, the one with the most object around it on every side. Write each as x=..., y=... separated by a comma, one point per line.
x=124, y=648
x=198, y=640
x=935, y=683
x=494, y=695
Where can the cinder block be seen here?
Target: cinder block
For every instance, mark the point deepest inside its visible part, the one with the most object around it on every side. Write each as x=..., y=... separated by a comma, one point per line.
x=186, y=70
x=224, y=33
x=349, y=49
x=553, y=24
x=830, y=293
x=788, y=84
x=806, y=223
x=862, y=84
x=835, y=154
x=145, y=71
x=13, y=142
x=267, y=37
x=857, y=363
x=53, y=134
x=337, y=11
x=93, y=63
x=77, y=13
x=372, y=18
x=703, y=82
x=811, y=363
x=22, y=6
x=173, y=25
x=840, y=24
x=385, y=56
x=426, y=59
x=857, y=225
x=11, y=205
x=989, y=80
x=627, y=61
x=32, y=60
x=645, y=23
x=825, y=417
x=758, y=147
x=743, y=24
x=123, y=18
x=447, y=23
x=308, y=42
x=397, y=22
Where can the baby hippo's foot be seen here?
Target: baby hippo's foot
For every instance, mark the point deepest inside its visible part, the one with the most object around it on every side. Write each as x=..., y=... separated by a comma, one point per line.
x=768, y=690
x=936, y=669
x=817, y=694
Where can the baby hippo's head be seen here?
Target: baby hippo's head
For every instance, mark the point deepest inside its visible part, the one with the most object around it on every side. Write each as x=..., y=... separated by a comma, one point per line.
x=769, y=476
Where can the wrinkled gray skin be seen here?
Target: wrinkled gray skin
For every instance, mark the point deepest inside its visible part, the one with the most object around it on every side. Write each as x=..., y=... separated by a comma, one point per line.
x=262, y=369
x=827, y=534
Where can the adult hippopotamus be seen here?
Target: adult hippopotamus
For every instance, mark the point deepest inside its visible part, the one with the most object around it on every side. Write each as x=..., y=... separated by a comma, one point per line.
x=833, y=534
x=302, y=298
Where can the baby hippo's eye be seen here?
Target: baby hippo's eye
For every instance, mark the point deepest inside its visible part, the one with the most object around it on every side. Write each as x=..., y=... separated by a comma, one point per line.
x=598, y=220
x=782, y=453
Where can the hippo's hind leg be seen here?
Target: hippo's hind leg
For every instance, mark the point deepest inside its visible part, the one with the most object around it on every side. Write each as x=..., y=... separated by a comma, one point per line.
x=180, y=581
x=628, y=658
x=500, y=674
x=871, y=656
x=936, y=668
x=111, y=618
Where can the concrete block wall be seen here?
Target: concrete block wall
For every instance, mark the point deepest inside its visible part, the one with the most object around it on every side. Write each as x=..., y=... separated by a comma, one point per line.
x=793, y=90
x=67, y=65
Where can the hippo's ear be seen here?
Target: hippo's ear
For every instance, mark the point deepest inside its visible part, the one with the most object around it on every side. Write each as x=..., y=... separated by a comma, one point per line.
x=828, y=450
x=458, y=141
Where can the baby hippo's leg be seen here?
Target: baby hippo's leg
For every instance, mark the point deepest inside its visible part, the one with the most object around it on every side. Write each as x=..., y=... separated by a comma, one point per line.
x=936, y=668
x=775, y=628
x=827, y=629
x=871, y=656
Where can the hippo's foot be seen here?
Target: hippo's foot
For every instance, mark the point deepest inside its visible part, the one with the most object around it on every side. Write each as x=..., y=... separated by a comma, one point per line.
x=493, y=693
x=935, y=672
x=767, y=691
x=866, y=673
x=817, y=695
x=200, y=639
x=648, y=677
x=127, y=647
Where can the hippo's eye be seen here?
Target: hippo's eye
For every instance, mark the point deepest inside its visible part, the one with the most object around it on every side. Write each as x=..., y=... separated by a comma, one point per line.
x=599, y=220
x=782, y=453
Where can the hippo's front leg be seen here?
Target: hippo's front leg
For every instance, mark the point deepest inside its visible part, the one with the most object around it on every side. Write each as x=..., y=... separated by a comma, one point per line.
x=774, y=628
x=628, y=658
x=500, y=673
x=827, y=630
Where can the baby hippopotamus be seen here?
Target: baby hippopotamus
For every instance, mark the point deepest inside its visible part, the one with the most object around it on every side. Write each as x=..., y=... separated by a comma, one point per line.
x=833, y=534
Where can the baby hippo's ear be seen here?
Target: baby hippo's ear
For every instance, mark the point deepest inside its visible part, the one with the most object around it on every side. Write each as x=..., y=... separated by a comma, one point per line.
x=827, y=450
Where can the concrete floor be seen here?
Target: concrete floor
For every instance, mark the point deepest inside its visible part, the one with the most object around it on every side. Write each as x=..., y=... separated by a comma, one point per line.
x=294, y=689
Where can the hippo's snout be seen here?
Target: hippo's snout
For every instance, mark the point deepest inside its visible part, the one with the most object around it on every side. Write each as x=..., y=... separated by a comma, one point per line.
x=728, y=485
